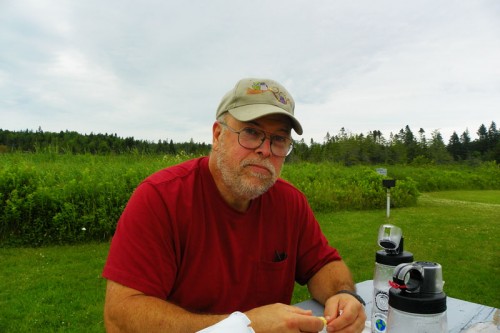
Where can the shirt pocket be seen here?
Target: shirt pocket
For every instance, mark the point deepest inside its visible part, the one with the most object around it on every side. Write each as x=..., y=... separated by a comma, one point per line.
x=274, y=281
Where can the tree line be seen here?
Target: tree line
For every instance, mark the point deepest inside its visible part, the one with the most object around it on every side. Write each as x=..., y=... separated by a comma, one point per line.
x=403, y=147
x=71, y=142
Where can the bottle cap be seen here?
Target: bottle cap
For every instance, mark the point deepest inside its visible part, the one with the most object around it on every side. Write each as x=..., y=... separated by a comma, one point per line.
x=392, y=259
x=420, y=303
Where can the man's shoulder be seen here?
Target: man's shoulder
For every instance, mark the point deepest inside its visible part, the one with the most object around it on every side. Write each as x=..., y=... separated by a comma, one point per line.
x=179, y=171
x=284, y=184
x=283, y=187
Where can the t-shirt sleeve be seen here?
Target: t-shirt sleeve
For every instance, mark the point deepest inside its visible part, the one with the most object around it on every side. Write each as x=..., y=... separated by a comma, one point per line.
x=142, y=252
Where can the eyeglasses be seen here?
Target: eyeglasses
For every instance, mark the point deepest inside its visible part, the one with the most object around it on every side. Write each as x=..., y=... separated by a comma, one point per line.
x=253, y=138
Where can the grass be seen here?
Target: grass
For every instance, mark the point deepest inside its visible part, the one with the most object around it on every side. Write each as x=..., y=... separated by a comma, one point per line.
x=52, y=289
x=55, y=289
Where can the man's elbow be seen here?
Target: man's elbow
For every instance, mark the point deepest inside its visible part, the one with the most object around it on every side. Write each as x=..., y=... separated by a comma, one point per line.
x=110, y=322
x=115, y=306
x=111, y=317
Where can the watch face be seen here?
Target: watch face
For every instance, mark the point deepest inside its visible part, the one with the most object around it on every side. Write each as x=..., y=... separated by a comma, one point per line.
x=382, y=301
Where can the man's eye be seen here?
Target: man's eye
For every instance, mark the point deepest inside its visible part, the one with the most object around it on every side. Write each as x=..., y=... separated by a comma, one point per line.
x=280, y=139
x=251, y=132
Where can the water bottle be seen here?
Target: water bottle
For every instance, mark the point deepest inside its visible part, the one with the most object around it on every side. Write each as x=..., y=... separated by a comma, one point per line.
x=390, y=238
x=417, y=303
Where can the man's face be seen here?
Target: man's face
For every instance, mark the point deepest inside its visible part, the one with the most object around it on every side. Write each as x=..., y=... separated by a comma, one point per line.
x=248, y=173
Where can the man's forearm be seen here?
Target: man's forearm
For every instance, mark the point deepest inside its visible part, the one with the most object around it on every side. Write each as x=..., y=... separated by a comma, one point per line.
x=141, y=313
x=333, y=277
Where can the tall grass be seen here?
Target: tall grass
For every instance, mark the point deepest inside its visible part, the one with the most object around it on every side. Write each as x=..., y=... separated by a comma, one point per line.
x=431, y=178
x=50, y=198
x=57, y=199
x=62, y=199
x=333, y=187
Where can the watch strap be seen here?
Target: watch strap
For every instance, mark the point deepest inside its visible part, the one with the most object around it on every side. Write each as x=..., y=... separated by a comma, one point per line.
x=353, y=294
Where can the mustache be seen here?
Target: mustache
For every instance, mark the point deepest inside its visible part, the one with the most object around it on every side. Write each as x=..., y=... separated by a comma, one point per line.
x=260, y=162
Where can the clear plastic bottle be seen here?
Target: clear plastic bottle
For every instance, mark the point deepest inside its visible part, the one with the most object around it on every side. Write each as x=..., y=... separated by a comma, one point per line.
x=404, y=322
x=419, y=307
x=380, y=307
x=391, y=240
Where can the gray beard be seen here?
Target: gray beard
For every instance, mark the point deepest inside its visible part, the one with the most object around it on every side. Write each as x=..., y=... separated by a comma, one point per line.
x=237, y=181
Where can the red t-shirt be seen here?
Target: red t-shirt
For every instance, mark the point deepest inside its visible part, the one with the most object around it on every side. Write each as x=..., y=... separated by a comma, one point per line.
x=178, y=240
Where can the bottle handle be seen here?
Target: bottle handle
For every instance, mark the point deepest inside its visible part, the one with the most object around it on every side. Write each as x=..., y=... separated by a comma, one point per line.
x=408, y=276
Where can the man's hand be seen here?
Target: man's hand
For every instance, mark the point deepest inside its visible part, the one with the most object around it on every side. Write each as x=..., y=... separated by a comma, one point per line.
x=283, y=318
x=344, y=313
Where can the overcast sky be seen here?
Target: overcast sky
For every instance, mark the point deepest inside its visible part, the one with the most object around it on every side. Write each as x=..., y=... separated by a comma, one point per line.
x=157, y=69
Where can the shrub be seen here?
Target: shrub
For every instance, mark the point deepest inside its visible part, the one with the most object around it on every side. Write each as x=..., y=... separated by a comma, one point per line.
x=485, y=176
x=60, y=199
x=332, y=187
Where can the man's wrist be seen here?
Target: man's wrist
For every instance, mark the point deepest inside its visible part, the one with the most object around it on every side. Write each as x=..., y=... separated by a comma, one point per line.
x=353, y=294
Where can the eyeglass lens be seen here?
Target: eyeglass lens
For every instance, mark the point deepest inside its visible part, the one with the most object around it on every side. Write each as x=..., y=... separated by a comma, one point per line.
x=252, y=138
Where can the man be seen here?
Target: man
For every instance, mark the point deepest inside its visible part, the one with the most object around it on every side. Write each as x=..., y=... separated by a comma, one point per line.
x=223, y=233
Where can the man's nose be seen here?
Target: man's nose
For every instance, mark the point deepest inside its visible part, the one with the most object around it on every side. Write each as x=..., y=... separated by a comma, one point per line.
x=265, y=148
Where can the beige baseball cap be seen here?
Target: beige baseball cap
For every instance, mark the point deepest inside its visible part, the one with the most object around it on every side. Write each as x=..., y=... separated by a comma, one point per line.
x=254, y=98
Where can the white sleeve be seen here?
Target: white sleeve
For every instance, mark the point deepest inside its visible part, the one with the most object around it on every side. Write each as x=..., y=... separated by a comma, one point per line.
x=237, y=322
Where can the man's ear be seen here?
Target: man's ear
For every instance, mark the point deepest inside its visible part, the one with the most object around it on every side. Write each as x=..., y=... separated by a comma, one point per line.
x=216, y=133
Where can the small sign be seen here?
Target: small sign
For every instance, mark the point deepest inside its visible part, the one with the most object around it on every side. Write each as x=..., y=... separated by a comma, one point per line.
x=389, y=183
x=382, y=171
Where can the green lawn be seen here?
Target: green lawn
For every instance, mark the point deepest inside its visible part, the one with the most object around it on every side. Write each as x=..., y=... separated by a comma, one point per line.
x=59, y=288
x=52, y=289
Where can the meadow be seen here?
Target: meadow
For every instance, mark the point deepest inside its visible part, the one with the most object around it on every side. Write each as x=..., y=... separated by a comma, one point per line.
x=449, y=215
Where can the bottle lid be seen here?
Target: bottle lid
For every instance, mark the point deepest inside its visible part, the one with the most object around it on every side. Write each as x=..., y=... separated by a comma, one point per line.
x=420, y=303
x=393, y=259
x=433, y=277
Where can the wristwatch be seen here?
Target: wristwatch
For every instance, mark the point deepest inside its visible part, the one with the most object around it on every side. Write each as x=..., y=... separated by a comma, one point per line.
x=353, y=294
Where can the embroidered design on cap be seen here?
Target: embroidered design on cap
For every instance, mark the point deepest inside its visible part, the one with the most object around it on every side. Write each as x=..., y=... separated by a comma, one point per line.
x=262, y=87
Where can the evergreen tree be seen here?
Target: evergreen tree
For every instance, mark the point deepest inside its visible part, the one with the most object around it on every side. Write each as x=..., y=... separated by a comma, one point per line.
x=437, y=149
x=455, y=147
x=466, y=144
x=493, y=152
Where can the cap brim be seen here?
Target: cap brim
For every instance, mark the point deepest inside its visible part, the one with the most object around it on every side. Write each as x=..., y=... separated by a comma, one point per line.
x=254, y=111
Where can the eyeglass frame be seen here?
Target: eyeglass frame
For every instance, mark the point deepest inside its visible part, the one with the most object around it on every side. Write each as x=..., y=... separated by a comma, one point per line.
x=267, y=135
